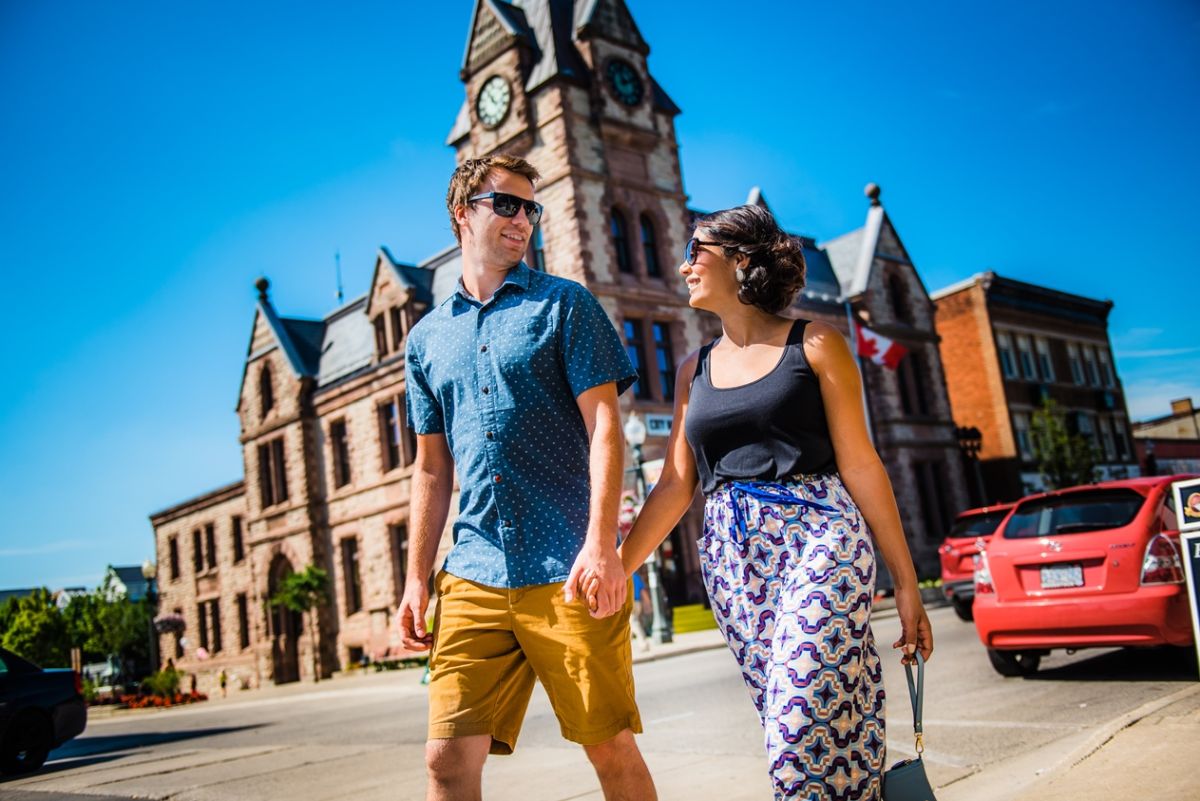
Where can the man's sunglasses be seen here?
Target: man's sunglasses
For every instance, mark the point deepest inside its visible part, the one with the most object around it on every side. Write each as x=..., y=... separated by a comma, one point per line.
x=506, y=205
x=691, y=251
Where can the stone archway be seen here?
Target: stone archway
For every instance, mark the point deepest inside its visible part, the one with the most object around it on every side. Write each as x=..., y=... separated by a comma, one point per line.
x=286, y=627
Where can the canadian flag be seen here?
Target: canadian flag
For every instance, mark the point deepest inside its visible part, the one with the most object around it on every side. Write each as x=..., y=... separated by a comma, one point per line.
x=877, y=347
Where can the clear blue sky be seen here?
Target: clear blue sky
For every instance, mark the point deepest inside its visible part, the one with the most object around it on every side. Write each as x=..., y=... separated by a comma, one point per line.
x=156, y=157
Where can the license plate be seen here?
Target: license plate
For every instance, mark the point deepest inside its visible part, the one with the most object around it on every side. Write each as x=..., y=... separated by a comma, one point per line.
x=1058, y=576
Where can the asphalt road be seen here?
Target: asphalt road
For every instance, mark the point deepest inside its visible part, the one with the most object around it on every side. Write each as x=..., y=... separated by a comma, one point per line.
x=362, y=737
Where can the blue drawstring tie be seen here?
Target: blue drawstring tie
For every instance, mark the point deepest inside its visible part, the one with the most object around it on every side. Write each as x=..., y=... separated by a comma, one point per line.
x=771, y=493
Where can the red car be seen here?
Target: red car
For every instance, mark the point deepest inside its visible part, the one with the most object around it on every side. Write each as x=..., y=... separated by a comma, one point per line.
x=958, y=553
x=1085, y=567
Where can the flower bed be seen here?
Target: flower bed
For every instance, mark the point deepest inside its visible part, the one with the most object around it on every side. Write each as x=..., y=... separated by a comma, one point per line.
x=146, y=701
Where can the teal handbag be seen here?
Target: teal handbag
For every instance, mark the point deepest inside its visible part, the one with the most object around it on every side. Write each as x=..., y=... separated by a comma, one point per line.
x=906, y=780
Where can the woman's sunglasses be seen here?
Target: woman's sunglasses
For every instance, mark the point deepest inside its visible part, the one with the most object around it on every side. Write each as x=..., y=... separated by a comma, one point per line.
x=691, y=251
x=506, y=205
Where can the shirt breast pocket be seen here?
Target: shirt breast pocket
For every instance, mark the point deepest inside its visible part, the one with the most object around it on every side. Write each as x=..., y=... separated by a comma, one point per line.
x=524, y=360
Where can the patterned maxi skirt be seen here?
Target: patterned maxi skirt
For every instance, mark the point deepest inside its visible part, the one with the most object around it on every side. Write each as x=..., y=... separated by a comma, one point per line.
x=790, y=570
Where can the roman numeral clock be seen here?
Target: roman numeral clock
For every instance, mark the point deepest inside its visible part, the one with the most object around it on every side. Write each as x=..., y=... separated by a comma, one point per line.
x=493, y=101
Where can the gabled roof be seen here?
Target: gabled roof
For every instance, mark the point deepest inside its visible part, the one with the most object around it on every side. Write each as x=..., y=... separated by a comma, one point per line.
x=306, y=336
x=283, y=333
x=851, y=255
x=619, y=24
x=348, y=344
x=511, y=19
x=551, y=21
x=417, y=279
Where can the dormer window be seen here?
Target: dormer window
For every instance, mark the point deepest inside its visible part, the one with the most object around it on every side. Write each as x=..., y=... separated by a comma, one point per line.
x=266, y=390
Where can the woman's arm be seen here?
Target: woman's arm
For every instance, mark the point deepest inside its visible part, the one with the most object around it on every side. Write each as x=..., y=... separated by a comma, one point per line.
x=676, y=486
x=864, y=476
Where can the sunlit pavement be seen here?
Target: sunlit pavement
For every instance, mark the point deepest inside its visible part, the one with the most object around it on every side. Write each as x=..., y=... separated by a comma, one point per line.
x=362, y=736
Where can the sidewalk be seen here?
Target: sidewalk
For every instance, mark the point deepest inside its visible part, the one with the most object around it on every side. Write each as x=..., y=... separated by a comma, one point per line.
x=1150, y=752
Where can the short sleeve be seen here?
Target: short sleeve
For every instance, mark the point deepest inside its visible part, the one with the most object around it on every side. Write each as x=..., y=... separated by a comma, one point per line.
x=421, y=405
x=592, y=351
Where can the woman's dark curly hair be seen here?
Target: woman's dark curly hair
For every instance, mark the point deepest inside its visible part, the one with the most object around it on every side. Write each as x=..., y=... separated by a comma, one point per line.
x=775, y=272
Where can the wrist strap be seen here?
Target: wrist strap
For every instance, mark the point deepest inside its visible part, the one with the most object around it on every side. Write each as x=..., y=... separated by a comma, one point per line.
x=916, y=695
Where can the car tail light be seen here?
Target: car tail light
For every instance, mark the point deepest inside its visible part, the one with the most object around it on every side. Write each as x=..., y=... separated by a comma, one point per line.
x=78, y=682
x=1162, y=564
x=983, y=575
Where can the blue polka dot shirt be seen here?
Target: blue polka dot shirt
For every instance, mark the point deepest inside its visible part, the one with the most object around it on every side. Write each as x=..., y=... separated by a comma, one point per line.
x=500, y=379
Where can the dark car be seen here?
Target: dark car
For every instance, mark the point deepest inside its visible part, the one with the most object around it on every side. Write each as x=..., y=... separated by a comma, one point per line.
x=39, y=711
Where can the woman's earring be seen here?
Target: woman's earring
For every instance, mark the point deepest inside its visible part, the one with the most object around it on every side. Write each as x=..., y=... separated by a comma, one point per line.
x=739, y=275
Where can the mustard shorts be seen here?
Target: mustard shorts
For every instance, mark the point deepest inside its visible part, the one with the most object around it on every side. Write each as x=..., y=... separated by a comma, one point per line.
x=491, y=643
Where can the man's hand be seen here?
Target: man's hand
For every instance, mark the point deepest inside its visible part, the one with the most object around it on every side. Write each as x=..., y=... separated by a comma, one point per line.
x=915, y=631
x=410, y=617
x=597, y=573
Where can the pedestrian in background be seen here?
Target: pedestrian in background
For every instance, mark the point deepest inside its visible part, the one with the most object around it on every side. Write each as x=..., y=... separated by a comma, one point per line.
x=223, y=680
x=769, y=422
x=513, y=382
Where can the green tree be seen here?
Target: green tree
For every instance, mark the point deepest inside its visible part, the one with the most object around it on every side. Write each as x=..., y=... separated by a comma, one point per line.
x=1064, y=459
x=304, y=592
x=105, y=623
x=38, y=632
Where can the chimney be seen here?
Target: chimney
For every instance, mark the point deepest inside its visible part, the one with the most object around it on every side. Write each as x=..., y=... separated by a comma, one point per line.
x=1181, y=406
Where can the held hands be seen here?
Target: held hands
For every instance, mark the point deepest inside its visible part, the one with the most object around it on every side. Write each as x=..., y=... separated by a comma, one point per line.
x=598, y=577
x=410, y=617
x=915, y=630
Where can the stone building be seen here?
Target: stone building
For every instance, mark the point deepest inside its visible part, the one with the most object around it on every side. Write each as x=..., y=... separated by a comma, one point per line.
x=326, y=450
x=1007, y=345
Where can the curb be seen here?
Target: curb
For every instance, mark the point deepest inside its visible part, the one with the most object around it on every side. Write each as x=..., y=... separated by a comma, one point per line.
x=1107, y=731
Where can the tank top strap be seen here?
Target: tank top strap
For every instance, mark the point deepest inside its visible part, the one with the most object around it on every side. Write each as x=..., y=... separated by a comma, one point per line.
x=702, y=359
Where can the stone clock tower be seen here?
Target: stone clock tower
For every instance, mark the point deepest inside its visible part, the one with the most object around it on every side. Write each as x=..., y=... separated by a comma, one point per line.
x=566, y=85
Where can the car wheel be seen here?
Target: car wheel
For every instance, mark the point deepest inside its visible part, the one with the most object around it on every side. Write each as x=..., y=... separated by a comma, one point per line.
x=27, y=744
x=962, y=609
x=1014, y=663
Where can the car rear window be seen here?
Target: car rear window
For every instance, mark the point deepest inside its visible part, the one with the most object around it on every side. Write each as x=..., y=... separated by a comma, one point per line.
x=977, y=525
x=1073, y=514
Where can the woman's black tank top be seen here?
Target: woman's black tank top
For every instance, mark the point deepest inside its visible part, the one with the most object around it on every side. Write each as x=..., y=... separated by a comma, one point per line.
x=766, y=430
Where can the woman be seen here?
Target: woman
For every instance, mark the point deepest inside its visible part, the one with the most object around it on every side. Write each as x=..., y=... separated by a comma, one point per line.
x=769, y=422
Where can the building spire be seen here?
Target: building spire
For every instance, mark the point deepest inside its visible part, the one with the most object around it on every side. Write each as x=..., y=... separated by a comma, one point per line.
x=262, y=285
x=872, y=191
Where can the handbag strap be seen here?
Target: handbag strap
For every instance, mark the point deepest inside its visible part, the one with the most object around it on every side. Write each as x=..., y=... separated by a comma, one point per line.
x=916, y=694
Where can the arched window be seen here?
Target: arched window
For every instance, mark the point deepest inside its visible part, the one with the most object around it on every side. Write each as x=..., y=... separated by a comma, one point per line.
x=266, y=390
x=620, y=235
x=650, y=247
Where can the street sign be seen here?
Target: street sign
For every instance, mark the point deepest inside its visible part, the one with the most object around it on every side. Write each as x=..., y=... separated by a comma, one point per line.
x=658, y=425
x=1190, y=543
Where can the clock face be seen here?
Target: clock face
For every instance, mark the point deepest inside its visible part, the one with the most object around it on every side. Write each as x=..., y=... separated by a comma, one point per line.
x=624, y=80
x=493, y=100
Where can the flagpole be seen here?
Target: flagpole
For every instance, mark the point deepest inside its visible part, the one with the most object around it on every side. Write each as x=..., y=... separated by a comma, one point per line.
x=862, y=372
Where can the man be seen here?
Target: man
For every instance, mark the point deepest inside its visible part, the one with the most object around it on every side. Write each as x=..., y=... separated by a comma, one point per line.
x=513, y=382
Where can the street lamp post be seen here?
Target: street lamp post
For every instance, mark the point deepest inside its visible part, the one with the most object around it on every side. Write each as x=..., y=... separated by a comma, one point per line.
x=970, y=440
x=635, y=435
x=149, y=571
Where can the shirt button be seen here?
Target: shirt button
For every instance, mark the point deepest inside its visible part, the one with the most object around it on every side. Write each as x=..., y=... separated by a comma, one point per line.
x=486, y=390
x=490, y=435
x=483, y=348
x=497, y=478
x=508, y=523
